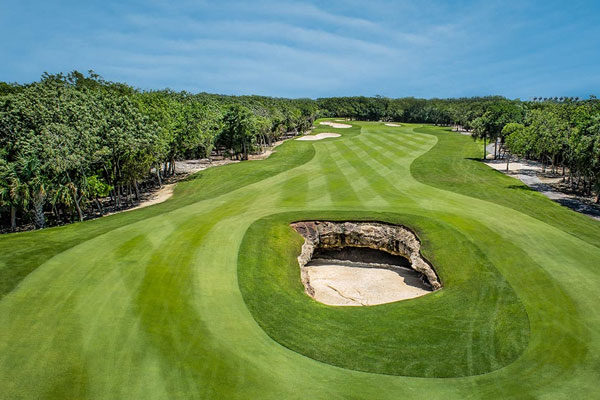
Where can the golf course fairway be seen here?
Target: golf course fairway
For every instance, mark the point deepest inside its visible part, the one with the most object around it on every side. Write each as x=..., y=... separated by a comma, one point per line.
x=200, y=297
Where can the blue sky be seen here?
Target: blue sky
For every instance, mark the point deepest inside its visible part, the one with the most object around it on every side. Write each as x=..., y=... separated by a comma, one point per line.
x=313, y=49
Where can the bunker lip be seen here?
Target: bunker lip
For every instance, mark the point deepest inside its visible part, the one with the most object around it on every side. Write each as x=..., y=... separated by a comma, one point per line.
x=335, y=124
x=362, y=263
x=319, y=136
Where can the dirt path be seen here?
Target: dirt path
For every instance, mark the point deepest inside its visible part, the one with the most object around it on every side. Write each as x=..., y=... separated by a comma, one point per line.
x=530, y=173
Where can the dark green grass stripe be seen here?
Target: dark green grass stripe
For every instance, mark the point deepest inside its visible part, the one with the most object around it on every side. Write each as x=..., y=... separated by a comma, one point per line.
x=383, y=141
x=165, y=305
x=407, y=136
x=404, y=140
x=385, y=148
x=373, y=155
x=339, y=187
x=294, y=191
x=378, y=183
x=359, y=182
x=382, y=153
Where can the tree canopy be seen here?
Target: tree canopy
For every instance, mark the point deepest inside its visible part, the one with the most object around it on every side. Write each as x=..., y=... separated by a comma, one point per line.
x=69, y=140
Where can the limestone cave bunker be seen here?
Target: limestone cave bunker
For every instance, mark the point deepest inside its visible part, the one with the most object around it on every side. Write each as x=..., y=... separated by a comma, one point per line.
x=355, y=263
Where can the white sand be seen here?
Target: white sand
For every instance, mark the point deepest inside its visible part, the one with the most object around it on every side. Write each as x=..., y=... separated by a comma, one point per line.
x=335, y=124
x=347, y=283
x=319, y=136
x=161, y=195
x=392, y=124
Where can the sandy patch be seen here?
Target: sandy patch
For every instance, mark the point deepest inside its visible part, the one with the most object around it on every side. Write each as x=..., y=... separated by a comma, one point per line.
x=335, y=124
x=319, y=136
x=161, y=195
x=392, y=124
x=530, y=173
x=188, y=167
x=348, y=283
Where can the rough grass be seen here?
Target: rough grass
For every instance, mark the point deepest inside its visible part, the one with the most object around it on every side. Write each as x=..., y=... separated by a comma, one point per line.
x=170, y=302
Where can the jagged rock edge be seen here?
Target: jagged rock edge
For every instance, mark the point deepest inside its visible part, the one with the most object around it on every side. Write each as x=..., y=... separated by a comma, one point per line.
x=313, y=238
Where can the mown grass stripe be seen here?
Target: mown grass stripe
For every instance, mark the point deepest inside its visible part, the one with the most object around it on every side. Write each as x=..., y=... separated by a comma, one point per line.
x=359, y=183
x=340, y=189
x=379, y=184
x=294, y=191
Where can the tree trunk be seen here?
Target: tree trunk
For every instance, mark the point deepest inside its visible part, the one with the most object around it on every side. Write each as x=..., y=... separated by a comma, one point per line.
x=507, y=155
x=99, y=205
x=484, y=149
x=38, y=210
x=78, y=208
x=496, y=149
x=158, y=176
x=13, y=217
x=137, y=191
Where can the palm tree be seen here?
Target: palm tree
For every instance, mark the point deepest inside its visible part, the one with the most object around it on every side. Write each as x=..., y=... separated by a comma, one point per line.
x=13, y=193
x=34, y=189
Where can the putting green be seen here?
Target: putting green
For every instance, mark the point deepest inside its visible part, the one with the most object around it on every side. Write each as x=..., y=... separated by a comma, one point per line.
x=200, y=297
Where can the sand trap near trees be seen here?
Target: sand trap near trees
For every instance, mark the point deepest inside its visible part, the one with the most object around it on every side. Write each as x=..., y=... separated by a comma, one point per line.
x=348, y=283
x=335, y=124
x=319, y=136
x=392, y=124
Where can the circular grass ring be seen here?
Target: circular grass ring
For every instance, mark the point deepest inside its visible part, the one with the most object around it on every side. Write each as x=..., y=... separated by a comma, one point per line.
x=474, y=325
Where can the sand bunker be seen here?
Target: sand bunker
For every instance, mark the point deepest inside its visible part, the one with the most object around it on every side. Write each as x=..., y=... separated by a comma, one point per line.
x=319, y=136
x=335, y=124
x=347, y=283
x=362, y=263
x=392, y=124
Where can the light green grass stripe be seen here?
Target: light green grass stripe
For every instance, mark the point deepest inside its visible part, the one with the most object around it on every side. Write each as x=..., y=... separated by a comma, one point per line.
x=378, y=182
x=294, y=191
x=340, y=189
x=360, y=184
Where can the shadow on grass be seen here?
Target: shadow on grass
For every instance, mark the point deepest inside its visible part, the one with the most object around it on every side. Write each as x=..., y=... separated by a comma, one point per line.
x=521, y=187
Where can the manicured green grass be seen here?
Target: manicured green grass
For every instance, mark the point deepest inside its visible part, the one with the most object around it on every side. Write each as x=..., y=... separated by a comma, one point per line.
x=475, y=325
x=200, y=297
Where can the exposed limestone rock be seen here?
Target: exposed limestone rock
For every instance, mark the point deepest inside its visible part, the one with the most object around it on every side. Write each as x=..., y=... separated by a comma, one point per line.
x=393, y=239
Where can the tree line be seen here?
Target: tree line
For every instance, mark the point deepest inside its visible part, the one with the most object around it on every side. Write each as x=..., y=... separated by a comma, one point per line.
x=70, y=141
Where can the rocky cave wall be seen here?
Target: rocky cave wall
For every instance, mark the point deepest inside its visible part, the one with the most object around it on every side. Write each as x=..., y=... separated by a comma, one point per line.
x=393, y=239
